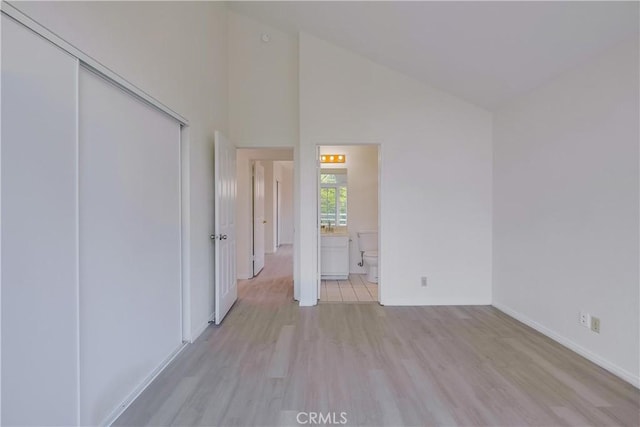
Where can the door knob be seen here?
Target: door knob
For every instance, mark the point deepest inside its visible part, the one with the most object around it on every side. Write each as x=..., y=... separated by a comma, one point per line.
x=212, y=237
x=264, y=221
x=223, y=237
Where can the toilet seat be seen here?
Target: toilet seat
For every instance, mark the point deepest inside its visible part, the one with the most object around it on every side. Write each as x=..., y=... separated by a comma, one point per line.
x=371, y=258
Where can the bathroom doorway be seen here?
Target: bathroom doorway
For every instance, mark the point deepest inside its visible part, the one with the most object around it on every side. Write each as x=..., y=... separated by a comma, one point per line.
x=348, y=196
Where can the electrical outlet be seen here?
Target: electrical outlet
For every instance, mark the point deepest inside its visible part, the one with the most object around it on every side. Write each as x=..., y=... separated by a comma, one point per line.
x=423, y=281
x=595, y=324
x=585, y=319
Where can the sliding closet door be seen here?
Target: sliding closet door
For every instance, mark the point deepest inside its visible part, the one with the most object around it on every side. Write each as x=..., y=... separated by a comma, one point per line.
x=38, y=198
x=130, y=294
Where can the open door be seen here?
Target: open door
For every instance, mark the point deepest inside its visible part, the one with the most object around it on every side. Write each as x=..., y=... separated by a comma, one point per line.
x=258, y=218
x=226, y=287
x=278, y=207
x=319, y=226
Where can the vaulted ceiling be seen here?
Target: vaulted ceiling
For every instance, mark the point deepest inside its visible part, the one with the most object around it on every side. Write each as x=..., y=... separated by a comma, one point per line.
x=484, y=52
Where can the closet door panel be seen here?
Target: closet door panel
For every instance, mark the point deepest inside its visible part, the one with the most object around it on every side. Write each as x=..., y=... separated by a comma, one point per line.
x=38, y=228
x=130, y=299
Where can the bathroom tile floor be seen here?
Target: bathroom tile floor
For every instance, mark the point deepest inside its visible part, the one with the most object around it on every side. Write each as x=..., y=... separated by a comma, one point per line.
x=355, y=289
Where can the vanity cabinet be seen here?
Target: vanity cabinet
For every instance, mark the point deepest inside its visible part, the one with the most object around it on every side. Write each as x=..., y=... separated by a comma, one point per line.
x=334, y=257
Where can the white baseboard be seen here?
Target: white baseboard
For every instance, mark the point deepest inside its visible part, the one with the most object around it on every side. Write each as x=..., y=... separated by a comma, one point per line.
x=307, y=302
x=201, y=328
x=433, y=302
x=611, y=367
x=119, y=410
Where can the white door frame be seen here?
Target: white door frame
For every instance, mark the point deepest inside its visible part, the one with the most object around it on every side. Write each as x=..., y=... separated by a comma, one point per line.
x=257, y=164
x=185, y=234
x=319, y=225
x=380, y=204
x=294, y=202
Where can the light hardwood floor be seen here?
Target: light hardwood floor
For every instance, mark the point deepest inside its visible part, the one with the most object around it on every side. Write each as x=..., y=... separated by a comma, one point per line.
x=395, y=366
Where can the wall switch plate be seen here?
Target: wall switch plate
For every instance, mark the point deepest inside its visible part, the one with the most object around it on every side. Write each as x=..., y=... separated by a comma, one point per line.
x=585, y=319
x=595, y=324
x=423, y=281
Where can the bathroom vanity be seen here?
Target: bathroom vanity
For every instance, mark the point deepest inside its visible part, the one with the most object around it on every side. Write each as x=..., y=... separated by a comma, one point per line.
x=334, y=256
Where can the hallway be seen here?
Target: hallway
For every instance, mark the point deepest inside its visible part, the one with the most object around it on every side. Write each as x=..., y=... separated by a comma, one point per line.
x=394, y=366
x=274, y=283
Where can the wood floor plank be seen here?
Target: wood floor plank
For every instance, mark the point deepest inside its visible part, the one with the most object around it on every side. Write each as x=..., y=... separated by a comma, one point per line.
x=282, y=353
x=469, y=366
x=560, y=375
x=391, y=415
x=569, y=416
x=175, y=401
x=424, y=387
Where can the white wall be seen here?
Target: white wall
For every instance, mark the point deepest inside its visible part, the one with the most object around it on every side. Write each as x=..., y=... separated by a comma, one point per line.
x=436, y=176
x=263, y=85
x=283, y=171
x=244, y=215
x=269, y=207
x=263, y=97
x=39, y=263
x=362, y=193
x=566, y=208
x=263, y=89
x=176, y=52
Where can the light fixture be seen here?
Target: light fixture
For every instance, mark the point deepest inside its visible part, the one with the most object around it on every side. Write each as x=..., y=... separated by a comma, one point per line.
x=333, y=158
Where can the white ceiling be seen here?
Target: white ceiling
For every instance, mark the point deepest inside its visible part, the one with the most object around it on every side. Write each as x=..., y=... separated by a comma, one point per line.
x=484, y=52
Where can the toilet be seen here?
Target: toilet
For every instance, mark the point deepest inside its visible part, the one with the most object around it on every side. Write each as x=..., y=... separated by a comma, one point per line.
x=368, y=245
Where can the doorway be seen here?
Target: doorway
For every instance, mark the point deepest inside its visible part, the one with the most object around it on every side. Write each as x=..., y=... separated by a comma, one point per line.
x=348, y=223
x=264, y=212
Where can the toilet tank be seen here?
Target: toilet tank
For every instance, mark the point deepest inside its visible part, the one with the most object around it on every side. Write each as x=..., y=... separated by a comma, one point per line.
x=368, y=241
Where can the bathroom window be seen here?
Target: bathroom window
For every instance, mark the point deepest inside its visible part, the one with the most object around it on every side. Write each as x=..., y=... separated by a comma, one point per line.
x=333, y=198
